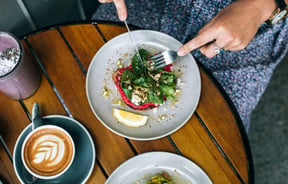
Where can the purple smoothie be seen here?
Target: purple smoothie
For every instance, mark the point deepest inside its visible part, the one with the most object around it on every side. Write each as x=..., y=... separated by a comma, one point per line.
x=19, y=77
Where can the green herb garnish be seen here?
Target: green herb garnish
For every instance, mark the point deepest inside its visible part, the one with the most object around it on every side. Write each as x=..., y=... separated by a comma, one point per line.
x=155, y=87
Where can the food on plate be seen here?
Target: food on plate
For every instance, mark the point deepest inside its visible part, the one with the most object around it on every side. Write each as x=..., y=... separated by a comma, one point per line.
x=162, y=178
x=142, y=88
x=129, y=118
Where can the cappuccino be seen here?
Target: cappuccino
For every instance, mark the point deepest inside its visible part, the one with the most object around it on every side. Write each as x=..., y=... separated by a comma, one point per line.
x=48, y=151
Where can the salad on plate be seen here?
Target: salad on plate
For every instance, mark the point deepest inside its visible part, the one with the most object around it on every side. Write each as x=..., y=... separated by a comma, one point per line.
x=142, y=88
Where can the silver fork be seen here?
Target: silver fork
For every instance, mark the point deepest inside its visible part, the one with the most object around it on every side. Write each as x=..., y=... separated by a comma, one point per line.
x=162, y=59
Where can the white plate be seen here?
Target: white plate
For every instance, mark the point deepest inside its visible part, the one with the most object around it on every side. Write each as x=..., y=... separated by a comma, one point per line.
x=104, y=64
x=141, y=168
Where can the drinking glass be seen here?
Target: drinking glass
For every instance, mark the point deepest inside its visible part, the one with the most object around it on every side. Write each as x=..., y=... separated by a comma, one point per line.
x=19, y=76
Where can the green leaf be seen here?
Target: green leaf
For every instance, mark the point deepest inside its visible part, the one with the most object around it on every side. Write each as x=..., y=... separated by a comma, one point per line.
x=139, y=81
x=127, y=92
x=127, y=75
x=154, y=98
x=168, y=91
x=167, y=77
x=144, y=82
x=137, y=66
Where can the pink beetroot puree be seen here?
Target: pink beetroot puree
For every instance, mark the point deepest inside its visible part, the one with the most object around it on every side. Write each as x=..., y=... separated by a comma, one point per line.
x=123, y=95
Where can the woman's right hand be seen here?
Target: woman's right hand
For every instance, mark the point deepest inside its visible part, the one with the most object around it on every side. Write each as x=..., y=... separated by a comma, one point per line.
x=232, y=28
x=120, y=6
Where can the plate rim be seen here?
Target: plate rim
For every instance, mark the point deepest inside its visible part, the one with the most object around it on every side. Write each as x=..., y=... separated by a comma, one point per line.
x=123, y=134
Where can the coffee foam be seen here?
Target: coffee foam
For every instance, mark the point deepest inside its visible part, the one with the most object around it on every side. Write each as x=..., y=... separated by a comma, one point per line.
x=48, y=149
x=48, y=152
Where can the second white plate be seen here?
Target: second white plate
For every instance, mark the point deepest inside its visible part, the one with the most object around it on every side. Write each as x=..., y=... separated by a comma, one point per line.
x=141, y=168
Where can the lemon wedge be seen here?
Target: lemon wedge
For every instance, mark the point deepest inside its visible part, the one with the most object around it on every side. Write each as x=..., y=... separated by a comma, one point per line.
x=129, y=118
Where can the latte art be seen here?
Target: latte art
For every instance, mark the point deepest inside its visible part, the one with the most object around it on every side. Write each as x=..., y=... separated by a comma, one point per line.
x=48, y=151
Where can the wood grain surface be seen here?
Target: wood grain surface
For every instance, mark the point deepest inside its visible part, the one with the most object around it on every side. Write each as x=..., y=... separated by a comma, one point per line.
x=212, y=138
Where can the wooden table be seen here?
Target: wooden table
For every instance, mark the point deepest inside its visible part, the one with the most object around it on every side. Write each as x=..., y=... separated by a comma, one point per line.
x=213, y=138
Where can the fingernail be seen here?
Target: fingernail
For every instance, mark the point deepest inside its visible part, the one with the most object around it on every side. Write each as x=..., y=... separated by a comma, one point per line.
x=122, y=17
x=181, y=52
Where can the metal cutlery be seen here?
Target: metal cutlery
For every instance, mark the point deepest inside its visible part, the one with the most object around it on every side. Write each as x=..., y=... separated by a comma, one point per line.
x=162, y=59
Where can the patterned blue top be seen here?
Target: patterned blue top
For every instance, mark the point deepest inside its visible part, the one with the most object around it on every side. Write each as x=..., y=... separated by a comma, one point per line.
x=244, y=74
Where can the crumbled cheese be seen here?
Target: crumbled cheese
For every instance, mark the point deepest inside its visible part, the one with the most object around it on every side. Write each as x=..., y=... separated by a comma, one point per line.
x=119, y=63
x=138, y=97
x=179, y=82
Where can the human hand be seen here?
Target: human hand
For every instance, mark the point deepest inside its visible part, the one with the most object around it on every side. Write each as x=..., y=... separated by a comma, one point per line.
x=120, y=6
x=231, y=29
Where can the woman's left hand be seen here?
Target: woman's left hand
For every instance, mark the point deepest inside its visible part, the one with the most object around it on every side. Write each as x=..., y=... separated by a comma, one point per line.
x=120, y=6
x=231, y=29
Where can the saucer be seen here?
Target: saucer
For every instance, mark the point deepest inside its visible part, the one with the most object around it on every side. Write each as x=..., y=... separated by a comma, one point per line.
x=85, y=154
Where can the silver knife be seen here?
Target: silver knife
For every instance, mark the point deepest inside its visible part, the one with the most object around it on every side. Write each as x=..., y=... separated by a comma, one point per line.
x=134, y=44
